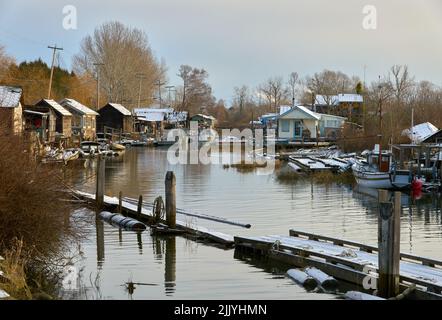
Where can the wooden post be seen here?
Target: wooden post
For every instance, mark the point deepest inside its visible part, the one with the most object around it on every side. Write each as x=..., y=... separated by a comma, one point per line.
x=120, y=202
x=170, y=184
x=140, y=206
x=389, y=244
x=101, y=177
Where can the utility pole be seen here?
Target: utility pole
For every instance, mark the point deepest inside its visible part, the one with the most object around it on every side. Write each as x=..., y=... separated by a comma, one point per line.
x=140, y=76
x=97, y=65
x=159, y=84
x=54, y=49
x=169, y=89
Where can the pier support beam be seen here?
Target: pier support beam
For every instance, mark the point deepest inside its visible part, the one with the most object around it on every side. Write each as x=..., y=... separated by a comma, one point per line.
x=389, y=244
x=101, y=178
x=170, y=184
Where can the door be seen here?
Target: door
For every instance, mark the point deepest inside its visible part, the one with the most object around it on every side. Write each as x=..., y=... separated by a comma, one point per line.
x=297, y=129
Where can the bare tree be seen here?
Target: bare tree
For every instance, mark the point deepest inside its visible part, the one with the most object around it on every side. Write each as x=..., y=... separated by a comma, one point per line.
x=330, y=83
x=274, y=91
x=402, y=82
x=124, y=52
x=241, y=97
x=196, y=92
x=293, y=82
x=5, y=62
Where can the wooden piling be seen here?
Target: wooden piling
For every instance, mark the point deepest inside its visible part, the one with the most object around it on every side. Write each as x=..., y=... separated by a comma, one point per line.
x=389, y=244
x=140, y=206
x=120, y=202
x=101, y=177
x=170, y=184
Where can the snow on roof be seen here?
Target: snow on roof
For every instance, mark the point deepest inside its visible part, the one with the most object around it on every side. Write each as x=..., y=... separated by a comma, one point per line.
x=177, y=116
x=73, y=104
x=345, y=97
x=10, y=96
x=308, y=111
x=420, y=132
x=152, y=116
x=120, y=109
x=334, y=100
x=284, y=109
x=204, y=116
x=57, y=107
x=322, y=100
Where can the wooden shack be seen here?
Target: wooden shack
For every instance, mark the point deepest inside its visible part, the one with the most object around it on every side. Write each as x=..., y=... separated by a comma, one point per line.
x=63, y=118
x=84, y=119
x=115, y=116
x=41, y=120
x=204, y=121
x=11, y=109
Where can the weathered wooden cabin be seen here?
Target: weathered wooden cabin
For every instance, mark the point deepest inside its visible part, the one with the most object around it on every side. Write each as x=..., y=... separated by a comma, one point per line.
x=11, y=109
x=41, y=120
x=63, y=118
x=115, y=116
x=83, y=119
x=204, y=121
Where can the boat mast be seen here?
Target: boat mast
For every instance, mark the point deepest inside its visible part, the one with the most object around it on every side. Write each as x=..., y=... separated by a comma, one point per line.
x=380, y=122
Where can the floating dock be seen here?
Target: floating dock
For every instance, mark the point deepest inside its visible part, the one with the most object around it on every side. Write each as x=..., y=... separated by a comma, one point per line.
x=131, y=210
x=345, y=260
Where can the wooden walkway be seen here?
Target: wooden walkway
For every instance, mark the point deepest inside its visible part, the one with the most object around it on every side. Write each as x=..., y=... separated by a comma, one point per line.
x=344, y=260
x=146, y=215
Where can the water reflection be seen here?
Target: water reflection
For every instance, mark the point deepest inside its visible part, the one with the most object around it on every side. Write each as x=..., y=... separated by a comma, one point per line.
x=170, y=266
x=270, y=205
x=100, y=241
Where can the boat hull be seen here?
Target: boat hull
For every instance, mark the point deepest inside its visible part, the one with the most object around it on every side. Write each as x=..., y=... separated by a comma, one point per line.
x=376, y=180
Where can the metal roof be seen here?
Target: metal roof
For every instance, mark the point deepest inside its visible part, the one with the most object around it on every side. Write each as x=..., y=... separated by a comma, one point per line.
x=334, y=100
x=77, y=106
x=57, y=107
x=10, y=96
x=120, y=109
x=420, y=132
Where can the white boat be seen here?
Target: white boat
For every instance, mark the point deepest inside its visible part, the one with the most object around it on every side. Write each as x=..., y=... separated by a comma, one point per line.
x=373, y=173
x=368, y=176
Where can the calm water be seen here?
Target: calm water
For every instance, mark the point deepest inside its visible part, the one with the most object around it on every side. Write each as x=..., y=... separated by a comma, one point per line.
x=177, y=268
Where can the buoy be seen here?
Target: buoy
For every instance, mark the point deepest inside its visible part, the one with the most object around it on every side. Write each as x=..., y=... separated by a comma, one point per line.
x=302, y=278
x=122, y=221
x=322, y=278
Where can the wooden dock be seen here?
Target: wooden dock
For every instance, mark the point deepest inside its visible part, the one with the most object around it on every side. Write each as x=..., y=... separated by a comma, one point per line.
x=345, y=260
x=131, y=209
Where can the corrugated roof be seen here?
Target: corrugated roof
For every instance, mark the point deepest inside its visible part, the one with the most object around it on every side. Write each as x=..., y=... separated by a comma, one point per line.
x=336, y=99
x=120, y=109
x=10, y=96
x=73, y=104
x=420, y=132
x=152, y=116
x=350, y=97
x=57, y=107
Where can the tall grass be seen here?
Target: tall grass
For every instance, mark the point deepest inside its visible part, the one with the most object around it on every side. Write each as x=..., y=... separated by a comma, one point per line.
x=33, y=212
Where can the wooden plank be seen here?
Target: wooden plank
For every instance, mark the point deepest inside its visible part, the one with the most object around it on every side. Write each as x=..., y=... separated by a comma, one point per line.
x=340, y=272
x=364, y=247
x=410, y=274
x=146, y=216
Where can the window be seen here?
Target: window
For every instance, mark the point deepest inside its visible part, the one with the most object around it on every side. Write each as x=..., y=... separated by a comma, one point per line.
x=285, y=126
x=298, y=128
x=333, y=124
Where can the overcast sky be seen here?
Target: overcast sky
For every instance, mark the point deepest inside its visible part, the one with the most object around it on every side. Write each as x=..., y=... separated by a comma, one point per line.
x=244, y=41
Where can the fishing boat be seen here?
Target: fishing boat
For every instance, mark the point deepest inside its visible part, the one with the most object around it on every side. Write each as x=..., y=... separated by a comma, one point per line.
x=380, y=173
x=70, y=154
x=89, y=149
